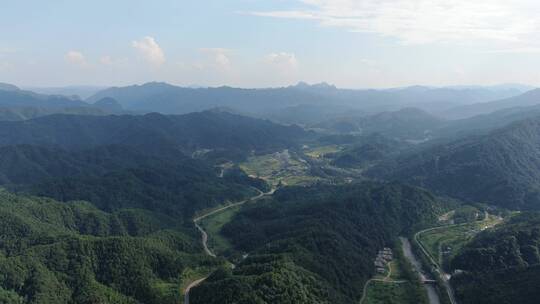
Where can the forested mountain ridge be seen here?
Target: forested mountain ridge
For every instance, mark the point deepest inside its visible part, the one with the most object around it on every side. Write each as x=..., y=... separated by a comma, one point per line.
x=501, y=265
x=529, y=98
x=485, y=123
x=366, y=150
x=152, y=132
x=514, y=244
x=405, y=124
x=114, y=177
x=17, y=105
x=315, y=244
x=20, y=98
x=501, y=168
x=53, y=253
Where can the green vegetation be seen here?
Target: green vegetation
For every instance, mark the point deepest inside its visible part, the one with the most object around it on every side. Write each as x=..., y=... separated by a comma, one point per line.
x=179, y=190
x=445, y=242
x=53, y=252
x=501, y=168
x=213, y=224
x=501, y=265
x=156, y=134
x=406, y=124
x=380, y=292
x=367, y=150
x=321, y=151
x=511, y=286
x=293, y=243
x=284, y=167
x=400, y=286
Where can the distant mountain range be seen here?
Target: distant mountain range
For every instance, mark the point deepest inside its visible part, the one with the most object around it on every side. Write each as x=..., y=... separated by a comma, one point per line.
x=484, y=123
x=300, y=104
x=529, y=98
x=81, y=92
x=166, y=98
x=17, y=104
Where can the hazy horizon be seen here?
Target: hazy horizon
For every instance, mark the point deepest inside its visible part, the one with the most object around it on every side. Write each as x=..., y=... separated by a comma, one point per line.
x=255, y=43
x=196, y=86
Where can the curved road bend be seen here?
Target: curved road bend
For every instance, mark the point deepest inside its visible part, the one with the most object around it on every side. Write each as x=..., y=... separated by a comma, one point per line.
x=204, y=235
x=443, y=275
x=188, y=288
x=385, y=280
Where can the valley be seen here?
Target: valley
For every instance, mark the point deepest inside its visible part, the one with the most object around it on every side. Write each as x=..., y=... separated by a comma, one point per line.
x=270, y=152
x=234, y=209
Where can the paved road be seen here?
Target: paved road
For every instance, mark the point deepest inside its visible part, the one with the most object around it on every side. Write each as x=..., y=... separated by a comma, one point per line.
x=204, y=235
x=386, y=279
x=445, y=277
x=190, y=286
x=204, y=238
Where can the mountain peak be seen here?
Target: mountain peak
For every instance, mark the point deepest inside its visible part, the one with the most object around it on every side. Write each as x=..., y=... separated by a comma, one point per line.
x=8, y=87
x=318, y=86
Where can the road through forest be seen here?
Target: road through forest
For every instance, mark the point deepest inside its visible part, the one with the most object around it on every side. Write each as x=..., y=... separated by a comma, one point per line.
x=204, y=235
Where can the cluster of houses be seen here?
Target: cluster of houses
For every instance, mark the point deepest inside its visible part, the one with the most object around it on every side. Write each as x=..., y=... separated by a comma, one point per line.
x=383, y=258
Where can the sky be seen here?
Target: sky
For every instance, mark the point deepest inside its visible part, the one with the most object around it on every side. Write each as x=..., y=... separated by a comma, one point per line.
x=270, y=43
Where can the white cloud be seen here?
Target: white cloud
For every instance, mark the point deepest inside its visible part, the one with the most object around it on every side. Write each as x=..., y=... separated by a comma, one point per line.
x=426, y=21
x=150, y=50
x=106, y=60
x=4, y=65
x=219, y=57
x=76, y=58
x=368, y=62
x=282, y=60
x=518, y=50
x=6, y=50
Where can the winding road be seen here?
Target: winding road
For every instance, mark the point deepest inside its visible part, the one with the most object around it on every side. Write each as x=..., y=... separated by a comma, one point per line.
x=204, y=235
x=188, y=288
x=445, y=277
x=386, y=279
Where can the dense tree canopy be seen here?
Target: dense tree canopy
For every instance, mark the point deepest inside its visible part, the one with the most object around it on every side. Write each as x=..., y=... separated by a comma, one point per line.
x=316, y=244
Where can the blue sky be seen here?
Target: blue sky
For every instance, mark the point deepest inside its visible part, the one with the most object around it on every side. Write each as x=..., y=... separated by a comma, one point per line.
x=256, y=43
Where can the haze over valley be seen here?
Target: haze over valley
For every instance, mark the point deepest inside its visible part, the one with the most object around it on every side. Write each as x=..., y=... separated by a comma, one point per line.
x=256, y=152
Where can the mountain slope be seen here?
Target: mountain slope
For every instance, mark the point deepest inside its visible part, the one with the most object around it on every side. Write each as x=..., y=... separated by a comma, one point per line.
x=19, y=98
x=153, y=133
x=169, y=99
x=501, y=168
x=408, y=123
x=529, y=98
x=315, y=244
x=172, y=184
x=61, y=253
x=365, y=151
x=501, y=265
x=484, y=123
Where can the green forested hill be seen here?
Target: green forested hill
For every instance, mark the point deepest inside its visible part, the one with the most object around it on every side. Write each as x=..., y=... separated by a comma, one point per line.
x=407, y=123
x=113, y=177
x=501, y=168
x=54, y=252
x=180, y=189
x=515, y=243
x=366, y=150
x=501, y=265
x=154, y=132
x=315, y=244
